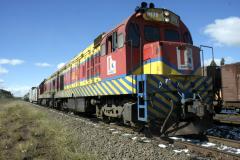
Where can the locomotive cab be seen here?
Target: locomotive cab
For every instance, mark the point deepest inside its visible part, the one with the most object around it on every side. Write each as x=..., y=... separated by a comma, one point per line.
x=160, y=44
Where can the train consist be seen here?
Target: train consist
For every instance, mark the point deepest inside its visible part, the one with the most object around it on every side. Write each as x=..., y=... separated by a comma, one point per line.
x=145, y=72
x=226, y=86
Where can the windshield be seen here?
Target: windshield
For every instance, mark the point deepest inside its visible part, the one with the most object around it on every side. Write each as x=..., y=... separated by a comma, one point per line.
x=151, y=33
x=133, y=34
x=171, y=35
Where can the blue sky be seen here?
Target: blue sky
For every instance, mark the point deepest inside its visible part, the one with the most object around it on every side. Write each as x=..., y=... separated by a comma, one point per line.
x=36, y=36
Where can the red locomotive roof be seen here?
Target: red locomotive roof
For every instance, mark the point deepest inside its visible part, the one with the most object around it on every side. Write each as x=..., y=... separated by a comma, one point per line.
x=161, y=15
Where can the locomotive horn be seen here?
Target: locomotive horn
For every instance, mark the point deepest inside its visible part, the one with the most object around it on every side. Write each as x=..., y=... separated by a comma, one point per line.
x=151, y=5
x=142, y=8
x=144, y=5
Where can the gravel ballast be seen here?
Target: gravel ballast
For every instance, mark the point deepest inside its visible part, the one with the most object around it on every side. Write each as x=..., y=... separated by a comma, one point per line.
x=109, y=141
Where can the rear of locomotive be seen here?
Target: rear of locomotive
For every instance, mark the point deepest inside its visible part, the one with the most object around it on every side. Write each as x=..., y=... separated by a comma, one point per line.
x=173, y=97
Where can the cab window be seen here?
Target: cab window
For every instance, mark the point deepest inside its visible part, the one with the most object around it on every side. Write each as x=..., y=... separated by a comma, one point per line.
x=171, y=35
x=133, y=34
x=151, y=33
x=103, y=49
x=109, y=44
x=112, y=42
x=120, y=40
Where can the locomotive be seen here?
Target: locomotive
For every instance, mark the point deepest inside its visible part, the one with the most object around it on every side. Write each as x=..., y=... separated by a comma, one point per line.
x=144, y=72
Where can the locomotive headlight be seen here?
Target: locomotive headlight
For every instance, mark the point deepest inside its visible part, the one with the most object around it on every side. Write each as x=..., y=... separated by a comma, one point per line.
x=167, y=19
x=166, y=13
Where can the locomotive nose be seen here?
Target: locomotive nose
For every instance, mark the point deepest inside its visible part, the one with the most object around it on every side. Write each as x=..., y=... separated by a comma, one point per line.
x=171, y=58
x=183, y=102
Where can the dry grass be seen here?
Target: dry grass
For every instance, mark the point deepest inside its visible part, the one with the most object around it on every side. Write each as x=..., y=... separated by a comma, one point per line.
x=27, y=133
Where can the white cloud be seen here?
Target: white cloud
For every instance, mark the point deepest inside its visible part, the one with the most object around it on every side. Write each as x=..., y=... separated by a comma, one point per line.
x=225, y=31
x=11, y=61
x=228, y=60
x=60, y=65
x=3, y=70
x=18, y=91
x=44, y=64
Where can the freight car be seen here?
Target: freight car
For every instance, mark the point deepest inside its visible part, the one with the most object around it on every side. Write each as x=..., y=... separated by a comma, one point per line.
x=145, y=71
x=33, y=95
x=226, y=86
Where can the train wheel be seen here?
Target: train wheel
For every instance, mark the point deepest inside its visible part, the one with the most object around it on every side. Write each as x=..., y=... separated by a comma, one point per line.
x=106, y=119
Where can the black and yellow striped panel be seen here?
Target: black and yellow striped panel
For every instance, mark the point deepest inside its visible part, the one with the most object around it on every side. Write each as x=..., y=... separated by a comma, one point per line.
x=161, y=89
x=119, y=86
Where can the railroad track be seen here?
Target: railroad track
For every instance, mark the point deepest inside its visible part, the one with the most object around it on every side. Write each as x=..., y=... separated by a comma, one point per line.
x=219, y=148
x=228, y=119
x=208, y=151
x=228, y=142
x=196, y=148
x=227, y=122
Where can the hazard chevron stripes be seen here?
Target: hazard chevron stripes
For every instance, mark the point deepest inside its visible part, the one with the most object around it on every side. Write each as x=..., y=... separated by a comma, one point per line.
x=162, y=89
x=119, y=86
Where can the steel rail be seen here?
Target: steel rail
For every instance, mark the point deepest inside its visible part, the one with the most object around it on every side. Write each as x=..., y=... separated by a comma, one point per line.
x=208, y=151
x=227, y=142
